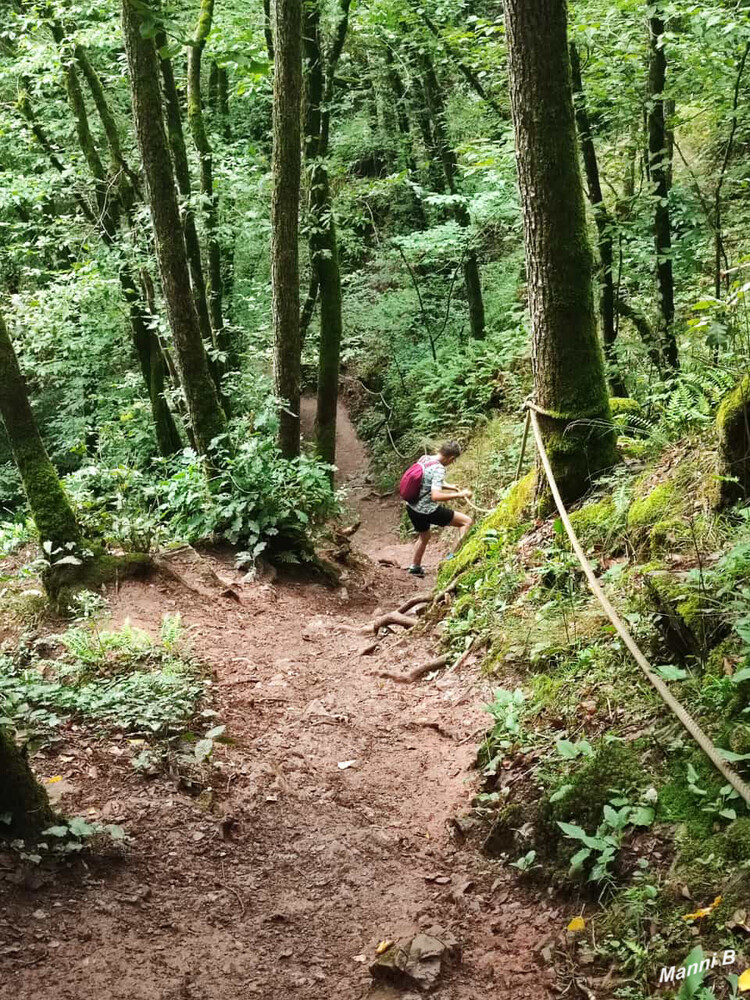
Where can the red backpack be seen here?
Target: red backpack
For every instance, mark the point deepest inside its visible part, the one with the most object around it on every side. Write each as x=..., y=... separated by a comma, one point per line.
x=411, y=482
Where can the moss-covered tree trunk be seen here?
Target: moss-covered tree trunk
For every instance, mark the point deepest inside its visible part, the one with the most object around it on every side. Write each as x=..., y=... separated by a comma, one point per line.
x=660, y=171
x=206, y=415
x=733, y=424
x=568, y=364
x=287, y=94
x=604, y=228
x=324, y=254
x=49, y=506
x=472, y=276
x=197, y=122
x=21, y=795
x=177, y=146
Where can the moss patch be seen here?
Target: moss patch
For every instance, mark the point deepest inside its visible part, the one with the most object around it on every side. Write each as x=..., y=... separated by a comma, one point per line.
x=512, y=514
x=596, y=523
x=620, y=404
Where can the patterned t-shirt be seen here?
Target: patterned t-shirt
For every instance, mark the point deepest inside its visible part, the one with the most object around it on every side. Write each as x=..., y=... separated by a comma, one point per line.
x=434, y=475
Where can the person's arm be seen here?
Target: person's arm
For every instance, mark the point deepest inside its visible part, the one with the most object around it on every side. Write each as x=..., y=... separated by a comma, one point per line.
x=447, y=492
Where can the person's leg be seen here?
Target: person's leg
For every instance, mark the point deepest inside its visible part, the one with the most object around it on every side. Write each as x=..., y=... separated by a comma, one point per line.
x=421, y=544
x=461, y=521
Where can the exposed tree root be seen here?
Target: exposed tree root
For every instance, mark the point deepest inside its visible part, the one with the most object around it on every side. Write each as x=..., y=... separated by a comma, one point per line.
x=390, y=618
x=417, y=672
x=163, y=566
x=426, y=668
x=399, y=616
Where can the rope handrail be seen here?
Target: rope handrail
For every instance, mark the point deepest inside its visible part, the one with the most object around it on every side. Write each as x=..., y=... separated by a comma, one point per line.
x=663, y=691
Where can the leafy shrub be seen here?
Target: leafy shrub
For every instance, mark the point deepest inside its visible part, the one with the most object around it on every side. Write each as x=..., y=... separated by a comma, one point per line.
x=255, y=499
x=122, y=679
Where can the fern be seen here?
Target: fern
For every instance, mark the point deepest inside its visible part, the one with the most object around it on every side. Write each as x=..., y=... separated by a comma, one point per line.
x=171, y=632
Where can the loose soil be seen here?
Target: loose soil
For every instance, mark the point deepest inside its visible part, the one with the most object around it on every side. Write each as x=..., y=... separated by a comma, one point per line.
x=283, y=878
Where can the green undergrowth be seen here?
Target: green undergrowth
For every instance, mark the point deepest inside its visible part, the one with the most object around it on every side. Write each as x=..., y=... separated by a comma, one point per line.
x=114, y=685
x=588, y=781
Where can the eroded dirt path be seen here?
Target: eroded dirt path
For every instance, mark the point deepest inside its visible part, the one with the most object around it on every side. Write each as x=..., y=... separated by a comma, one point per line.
x=282, y=885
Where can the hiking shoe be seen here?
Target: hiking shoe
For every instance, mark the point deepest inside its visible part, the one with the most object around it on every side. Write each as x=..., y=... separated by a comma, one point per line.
x=416, y=570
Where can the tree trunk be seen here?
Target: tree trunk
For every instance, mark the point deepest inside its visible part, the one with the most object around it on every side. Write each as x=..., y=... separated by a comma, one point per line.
x=202, y=145
x=659, y=170
x=604, y=228
x=52, y=513
x=472, y=278
x=20, y=793
x=153, y=367
x=323, y=243
x=569, y=381
x=287, y=94
x=182, y=175
x=206, y=414
x=405, y=134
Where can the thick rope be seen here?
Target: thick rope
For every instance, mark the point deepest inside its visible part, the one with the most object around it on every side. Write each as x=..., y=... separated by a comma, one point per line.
x=670, y=701
x=570, y=418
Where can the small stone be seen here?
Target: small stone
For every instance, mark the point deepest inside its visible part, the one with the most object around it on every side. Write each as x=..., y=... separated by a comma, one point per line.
x=416, y=962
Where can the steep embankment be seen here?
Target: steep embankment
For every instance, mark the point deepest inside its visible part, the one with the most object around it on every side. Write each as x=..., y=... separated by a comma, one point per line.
x=589, y=782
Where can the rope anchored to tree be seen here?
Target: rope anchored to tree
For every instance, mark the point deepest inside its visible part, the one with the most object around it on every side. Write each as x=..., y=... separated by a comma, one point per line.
x=663, y=691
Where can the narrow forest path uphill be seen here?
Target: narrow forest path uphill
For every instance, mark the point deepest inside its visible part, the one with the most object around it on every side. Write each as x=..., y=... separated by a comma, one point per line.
x=285, y=885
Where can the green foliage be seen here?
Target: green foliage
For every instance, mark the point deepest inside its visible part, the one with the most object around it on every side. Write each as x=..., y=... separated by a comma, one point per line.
x=255, y=499
x=119, y=680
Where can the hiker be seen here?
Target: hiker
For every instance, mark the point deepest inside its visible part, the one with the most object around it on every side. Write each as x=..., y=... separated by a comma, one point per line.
x=424, y=488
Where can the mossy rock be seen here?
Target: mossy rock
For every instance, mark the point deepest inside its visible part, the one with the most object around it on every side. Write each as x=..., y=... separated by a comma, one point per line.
x=511, y=515
x=738, y=839
x=732, y=422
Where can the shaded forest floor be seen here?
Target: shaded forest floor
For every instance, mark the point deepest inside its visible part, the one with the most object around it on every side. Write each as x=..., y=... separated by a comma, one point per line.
x=281, y=880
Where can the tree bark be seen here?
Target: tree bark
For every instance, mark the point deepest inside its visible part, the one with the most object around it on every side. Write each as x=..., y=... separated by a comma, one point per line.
x=323, y=242
x=569, y=381
x=659, y=170
x=197, y=123
x=472, y=277
x=287, y=94
x=177, y=146
x=50, y=509
x=204, y=408
x=20, y=793
x=604, y=227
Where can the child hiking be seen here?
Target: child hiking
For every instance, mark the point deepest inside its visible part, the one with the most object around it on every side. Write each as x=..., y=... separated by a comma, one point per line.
x=424, y=489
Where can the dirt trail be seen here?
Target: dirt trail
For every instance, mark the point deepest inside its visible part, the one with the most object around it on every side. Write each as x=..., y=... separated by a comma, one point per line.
x=284, y=886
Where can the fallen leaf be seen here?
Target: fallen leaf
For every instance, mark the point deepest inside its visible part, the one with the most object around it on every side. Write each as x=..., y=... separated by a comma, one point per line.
x=576, y=925
x=52, y=781
x=743, y=983
x=383, y=947
x=344, y=764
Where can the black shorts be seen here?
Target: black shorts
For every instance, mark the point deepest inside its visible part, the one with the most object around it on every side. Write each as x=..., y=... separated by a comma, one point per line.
x=440, y=517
